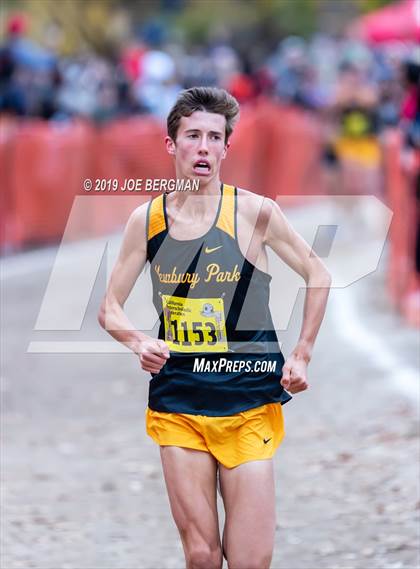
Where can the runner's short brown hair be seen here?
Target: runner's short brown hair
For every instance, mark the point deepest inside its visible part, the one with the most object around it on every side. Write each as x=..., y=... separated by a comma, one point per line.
x=209, y=99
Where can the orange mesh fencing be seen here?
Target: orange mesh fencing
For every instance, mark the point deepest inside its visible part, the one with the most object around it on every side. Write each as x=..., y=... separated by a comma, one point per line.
x=274, y=151
x=9, y=237
x=131, y=149
x=45, y=167
x=403, y=281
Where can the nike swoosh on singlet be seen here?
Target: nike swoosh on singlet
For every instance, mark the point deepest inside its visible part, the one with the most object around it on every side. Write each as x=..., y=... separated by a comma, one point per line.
x=208, y=250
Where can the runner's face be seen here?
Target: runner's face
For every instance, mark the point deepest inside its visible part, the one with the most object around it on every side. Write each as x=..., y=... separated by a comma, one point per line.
x=199, y=147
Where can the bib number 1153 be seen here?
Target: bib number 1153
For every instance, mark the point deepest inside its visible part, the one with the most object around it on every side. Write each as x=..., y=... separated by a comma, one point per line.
x=194, y=324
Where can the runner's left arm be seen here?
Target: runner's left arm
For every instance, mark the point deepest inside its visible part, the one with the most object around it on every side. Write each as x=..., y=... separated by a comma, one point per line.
x=280, y=236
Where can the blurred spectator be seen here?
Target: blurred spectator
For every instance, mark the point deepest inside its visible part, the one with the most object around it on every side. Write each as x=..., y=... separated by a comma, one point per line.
x=410, y=123
x=28, y=74
x=410, y=119
x=156, y=86
x=289, y=66
x=355, y=106
x=146, y=75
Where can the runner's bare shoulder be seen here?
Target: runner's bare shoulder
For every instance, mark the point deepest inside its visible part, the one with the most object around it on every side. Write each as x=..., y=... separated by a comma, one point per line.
x=255, y=210
x=136, y=223
x=135, y=233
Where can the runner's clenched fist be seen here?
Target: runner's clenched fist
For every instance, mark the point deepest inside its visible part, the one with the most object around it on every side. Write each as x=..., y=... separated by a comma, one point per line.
x=294, y=377
x=152, y=354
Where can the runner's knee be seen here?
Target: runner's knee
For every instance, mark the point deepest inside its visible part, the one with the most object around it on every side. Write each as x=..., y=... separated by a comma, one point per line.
x=204, y=557
x=258, y=561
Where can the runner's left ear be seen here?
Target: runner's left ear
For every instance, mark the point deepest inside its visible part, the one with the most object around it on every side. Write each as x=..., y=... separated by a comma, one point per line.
x=225, y=149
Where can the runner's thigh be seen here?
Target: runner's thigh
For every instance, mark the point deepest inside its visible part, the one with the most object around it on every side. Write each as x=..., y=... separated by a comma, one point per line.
x=190, y=477
x=249, y=498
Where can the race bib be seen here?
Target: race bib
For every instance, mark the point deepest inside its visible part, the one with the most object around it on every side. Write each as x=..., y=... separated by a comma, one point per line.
x=194, y=324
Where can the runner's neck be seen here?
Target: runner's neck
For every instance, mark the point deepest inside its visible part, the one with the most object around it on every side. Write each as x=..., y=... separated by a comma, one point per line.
x=192, y=208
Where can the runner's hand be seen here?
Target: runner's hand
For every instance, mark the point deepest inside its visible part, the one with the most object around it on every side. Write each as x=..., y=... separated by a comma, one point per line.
x=294, y=375
x=152, y=355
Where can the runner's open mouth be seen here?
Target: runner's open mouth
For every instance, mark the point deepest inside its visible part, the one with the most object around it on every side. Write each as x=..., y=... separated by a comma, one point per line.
x=201, y=167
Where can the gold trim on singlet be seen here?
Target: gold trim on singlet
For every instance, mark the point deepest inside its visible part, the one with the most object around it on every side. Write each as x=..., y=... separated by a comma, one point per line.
x=156, y=218
x=226, y=221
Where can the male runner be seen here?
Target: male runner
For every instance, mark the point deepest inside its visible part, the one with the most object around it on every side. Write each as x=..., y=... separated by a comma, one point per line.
x=218, y=375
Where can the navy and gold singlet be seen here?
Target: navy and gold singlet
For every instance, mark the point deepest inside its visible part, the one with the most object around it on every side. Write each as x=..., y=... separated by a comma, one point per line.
x=213, y=306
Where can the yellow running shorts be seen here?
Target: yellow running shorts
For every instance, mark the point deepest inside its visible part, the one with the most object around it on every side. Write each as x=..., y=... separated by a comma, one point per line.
x=250, y=435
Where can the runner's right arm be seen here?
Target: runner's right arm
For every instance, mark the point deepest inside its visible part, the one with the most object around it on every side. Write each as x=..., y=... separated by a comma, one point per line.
x=152, y=352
